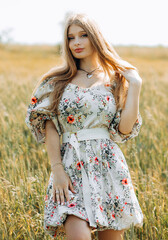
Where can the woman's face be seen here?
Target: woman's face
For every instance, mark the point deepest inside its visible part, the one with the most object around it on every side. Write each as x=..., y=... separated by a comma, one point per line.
x=79, y=42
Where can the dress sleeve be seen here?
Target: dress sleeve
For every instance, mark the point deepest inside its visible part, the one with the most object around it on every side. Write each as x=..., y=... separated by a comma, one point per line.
x=36, y=115
x=116, y=135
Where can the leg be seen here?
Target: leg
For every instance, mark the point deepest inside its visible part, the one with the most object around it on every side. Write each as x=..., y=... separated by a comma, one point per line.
x=111, y=234
x=77, y=228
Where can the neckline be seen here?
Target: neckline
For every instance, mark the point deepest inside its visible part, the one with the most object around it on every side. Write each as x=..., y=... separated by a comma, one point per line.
x=87, y=88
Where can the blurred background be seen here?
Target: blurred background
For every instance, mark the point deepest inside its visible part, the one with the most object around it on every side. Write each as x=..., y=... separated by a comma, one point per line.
x=131, y=22
x=31, y=34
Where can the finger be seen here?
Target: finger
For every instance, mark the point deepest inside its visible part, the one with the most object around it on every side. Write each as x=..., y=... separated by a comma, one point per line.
x=57, y=196
x=54, y=197
x=67, y=195
x=61, y=196
x=71, y=187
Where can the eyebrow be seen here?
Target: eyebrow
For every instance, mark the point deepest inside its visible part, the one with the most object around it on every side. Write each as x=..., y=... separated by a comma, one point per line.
x=72, y=33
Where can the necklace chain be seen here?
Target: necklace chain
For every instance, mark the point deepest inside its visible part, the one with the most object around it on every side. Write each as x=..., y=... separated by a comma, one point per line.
x=89, y=74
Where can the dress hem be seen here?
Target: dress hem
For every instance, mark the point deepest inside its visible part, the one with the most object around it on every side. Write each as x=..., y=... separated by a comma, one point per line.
x=99, y=227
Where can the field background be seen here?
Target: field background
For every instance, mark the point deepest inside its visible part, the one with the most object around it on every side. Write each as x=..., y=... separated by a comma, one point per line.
x=25, y=166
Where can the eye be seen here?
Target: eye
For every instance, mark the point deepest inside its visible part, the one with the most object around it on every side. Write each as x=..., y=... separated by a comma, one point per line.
x=69, y=38
x=84, y=35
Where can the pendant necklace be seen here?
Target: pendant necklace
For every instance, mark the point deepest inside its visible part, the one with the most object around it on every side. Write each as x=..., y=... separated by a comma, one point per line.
x=89, y=74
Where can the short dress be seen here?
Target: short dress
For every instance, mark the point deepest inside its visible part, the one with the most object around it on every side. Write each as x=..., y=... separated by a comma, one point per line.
x=107, y=200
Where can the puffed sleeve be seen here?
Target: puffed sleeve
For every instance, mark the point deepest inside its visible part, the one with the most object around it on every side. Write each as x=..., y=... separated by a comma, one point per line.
x=36, y=115
x=116, y=135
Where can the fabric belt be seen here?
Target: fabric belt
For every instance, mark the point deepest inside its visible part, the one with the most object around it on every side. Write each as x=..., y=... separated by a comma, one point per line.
x=73, y=138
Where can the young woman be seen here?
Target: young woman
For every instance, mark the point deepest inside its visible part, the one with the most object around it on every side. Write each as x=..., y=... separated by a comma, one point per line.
x=81, y=110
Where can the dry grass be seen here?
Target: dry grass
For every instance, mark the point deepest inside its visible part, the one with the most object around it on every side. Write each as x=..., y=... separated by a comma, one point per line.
x=25, y=166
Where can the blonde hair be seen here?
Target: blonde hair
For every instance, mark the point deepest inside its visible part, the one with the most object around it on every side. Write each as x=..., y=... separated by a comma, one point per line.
x=107, y=56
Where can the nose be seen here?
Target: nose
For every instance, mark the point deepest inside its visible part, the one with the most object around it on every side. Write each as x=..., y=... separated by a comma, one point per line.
x=76, y=42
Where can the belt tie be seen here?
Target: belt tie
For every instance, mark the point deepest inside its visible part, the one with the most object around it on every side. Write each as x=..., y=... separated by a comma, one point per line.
x=73, y=138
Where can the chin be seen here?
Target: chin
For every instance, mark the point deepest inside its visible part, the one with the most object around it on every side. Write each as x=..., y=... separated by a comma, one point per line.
x=82, y=56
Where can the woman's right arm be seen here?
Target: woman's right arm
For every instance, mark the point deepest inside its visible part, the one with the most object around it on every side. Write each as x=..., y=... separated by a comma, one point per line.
x=61, y=180
x=53, y=145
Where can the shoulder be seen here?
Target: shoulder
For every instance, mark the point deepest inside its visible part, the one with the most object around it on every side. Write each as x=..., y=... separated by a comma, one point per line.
x=44, y=87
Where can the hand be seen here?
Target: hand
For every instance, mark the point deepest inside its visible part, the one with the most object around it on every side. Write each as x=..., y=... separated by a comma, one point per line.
x=61, y=182
x=131, y=76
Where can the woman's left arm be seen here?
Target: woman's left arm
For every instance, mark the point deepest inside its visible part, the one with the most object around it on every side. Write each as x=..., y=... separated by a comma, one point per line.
x=129, y=114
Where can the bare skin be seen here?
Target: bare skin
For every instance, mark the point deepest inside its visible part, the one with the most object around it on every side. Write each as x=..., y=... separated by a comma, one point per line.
x=111, y=234
x=79, y=229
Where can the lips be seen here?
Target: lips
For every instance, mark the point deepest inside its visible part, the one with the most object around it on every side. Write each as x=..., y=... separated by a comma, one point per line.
x=78, y=50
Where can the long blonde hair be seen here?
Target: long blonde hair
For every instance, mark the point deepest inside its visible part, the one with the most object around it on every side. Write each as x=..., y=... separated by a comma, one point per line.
x=107, y=56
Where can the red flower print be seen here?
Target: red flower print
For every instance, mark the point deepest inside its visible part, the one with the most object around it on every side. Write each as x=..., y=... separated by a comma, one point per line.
x=113, y=215
x=87, y=219
x=95, y=178
x=107, y=84
x=122, y=160
x=121, y=210
x=34, y=100
x=108, y=98
x=72, y=205
x=79, y=166
x=51, y=215
x=46, y=198
x=125, y=203
x=55, y=234
x=78, y=99
x=96, y=160
x=124, y=181
x=101, y=208
x=70, y=119
x=47, y=227
x=113, y=154
x=137, y=121
x=108, y=164
x=117, y=197
x=74, y=183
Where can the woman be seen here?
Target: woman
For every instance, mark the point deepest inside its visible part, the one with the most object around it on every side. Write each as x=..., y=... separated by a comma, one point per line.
x=80, y=111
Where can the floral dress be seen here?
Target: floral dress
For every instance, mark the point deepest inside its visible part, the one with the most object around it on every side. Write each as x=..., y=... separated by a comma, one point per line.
x=112, y=200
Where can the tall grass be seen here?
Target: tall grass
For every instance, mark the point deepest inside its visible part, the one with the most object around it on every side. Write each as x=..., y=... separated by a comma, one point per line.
x=25, y=167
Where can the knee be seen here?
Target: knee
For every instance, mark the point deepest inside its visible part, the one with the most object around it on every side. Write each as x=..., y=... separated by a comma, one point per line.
x=79, y=236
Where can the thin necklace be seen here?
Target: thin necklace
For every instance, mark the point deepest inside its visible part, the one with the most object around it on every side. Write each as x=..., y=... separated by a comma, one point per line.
x=89, y=74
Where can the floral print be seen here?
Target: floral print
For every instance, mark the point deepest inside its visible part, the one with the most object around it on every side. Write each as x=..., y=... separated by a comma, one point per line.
x=113, y=201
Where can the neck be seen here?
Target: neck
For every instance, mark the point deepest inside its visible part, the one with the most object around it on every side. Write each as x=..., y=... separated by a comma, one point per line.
x=89, y=63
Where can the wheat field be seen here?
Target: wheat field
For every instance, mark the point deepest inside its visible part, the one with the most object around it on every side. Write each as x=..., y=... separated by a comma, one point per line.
x=25, y=166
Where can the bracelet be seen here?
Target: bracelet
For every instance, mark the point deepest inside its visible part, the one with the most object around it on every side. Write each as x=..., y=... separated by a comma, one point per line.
x=55, y=164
